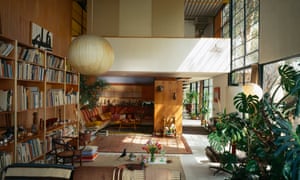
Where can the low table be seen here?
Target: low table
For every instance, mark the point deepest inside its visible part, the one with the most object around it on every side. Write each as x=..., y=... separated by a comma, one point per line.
x=158, y=160
x=127, y=123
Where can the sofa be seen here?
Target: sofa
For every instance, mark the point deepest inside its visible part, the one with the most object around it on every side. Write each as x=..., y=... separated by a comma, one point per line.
x=64, y=172
x=93, y=120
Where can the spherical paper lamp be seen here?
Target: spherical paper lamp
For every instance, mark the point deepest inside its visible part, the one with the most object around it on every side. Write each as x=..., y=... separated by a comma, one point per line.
x=90, y=55
x=253, y=89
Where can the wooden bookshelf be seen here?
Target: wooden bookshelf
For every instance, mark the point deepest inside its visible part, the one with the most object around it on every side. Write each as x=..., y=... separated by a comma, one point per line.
x=35, y=86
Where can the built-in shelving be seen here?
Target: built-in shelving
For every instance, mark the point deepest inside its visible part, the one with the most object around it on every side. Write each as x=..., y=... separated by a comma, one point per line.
x=38, y=100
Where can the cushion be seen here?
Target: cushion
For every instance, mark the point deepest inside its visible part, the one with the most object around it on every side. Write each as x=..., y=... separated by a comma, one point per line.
x=106, y=116
x=86, y=115
x=122, y=116
x=94, y=123
x=38, y=171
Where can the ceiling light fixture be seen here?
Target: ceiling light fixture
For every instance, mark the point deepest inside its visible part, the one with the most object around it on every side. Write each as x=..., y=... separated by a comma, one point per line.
x=253, y=89
x=90, y=55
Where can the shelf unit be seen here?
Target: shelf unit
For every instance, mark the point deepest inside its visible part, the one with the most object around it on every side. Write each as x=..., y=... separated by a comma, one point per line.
x=39, y=96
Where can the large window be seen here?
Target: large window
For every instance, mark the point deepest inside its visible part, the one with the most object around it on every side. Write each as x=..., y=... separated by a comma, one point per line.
x=225, y=21
x=208, y=93
x=244, y=39
x=270, y=71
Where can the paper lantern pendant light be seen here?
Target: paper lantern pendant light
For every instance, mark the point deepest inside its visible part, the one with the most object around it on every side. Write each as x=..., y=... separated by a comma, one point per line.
x=90, y=55
x=253, y=89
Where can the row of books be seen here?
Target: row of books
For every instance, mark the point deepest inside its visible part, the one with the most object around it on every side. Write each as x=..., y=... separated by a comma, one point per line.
x=55, y=97
x=6, y=48
x=6, y=69
x=55, y=62
x=55, y=76
x=31, y=55
x=5, y=100
x=71, y=98
x=30, y=72
x=29, y=98
x=29, y=150
x=5, y=160
x=71, y=78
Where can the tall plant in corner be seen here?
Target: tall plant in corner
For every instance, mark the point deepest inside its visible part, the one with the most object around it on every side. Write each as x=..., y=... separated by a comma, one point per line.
x=273, y=146
x=90, y=91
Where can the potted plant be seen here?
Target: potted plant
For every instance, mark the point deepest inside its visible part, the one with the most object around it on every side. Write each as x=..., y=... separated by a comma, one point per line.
x=90, y=90
x=269, y=140
x=190, y=97
x=204, y=109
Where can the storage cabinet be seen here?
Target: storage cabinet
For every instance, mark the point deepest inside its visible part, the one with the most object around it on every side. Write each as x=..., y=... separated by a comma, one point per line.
x=38, y=100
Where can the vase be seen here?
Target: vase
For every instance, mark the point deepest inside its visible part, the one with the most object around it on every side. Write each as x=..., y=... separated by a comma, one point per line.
x=152, y=157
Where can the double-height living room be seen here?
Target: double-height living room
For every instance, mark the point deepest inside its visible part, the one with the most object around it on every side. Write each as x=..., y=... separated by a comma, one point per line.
x=149, y=89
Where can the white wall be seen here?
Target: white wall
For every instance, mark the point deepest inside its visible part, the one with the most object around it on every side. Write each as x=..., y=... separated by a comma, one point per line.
x=135, y=18
x=279, y=29
x=221, y=82
x=155, y=18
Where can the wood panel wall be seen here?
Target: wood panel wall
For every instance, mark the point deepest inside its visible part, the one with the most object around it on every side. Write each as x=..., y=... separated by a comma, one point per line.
x=166, y=106
x=54, y=15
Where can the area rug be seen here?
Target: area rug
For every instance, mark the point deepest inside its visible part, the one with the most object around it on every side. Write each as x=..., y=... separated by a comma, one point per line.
x=174, y=163
x=140, y=129
x=134, y=143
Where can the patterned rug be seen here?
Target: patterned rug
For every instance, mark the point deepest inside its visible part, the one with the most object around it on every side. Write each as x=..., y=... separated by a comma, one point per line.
x=134, y=142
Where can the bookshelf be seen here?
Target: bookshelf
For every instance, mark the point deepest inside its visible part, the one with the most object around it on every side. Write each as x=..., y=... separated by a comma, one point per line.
x=38, y=100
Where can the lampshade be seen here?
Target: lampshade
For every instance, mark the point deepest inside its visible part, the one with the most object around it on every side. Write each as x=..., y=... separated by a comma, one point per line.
x=90, y=55
x=253, y=89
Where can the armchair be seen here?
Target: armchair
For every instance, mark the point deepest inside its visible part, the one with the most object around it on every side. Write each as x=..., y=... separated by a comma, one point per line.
x=64, y=152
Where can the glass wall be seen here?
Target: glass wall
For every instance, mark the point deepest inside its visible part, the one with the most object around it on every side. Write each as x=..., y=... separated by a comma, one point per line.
x=245, y=39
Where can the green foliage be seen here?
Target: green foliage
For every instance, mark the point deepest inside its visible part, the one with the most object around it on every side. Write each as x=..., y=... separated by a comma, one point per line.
x=190, y=97
x=246, y=104
x=89, y=93
x=229, y=129
x=273, y=148
x=204, y=109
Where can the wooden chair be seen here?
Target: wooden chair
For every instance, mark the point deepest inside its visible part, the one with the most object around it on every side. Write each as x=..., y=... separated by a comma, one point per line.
x=65, y=152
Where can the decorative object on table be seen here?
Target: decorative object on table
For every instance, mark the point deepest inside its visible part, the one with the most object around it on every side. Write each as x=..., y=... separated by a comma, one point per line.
x=123, y=153
x=132, y=157
x=152, y=148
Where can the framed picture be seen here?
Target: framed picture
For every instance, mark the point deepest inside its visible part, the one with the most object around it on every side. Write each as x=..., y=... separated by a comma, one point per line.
x=216, y=94
x=41, y=37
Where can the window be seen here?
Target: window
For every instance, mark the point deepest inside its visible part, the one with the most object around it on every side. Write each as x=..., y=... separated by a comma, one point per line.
x=208, y=93
x=244, y=39
x=270, y=71
x=225, y=21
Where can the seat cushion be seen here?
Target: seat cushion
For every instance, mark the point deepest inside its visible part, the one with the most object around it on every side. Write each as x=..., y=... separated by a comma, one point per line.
x=29, y=171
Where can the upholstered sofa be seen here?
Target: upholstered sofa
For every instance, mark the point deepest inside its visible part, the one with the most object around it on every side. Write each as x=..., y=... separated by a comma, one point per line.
x=93, y=120
x=64, y=172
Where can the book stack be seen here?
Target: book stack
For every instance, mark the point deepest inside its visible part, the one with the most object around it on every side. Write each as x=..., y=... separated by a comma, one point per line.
x=90, y=153
x=5, y=48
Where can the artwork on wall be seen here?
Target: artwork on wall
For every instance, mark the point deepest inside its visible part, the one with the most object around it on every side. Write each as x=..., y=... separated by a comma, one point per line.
x=41, y=37
x=217, y=94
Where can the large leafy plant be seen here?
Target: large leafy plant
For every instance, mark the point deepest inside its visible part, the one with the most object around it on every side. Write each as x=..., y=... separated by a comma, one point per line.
x=90, y=91
x=273, y=147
